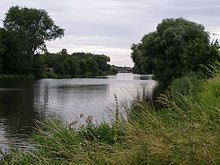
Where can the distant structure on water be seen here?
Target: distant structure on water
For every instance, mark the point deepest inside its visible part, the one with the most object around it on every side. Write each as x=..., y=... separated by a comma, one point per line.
x=124, y=69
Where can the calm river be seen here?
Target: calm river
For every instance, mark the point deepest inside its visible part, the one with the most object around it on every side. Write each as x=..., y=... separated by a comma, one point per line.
x=23, y=102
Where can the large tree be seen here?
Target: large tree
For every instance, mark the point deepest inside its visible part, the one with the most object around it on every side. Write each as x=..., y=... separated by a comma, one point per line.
x=177, y=47
x=32, y=27
x=2, y=49
x=9, y=53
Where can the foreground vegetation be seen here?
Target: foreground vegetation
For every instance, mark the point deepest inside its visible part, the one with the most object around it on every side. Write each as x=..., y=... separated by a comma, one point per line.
x=185, y=131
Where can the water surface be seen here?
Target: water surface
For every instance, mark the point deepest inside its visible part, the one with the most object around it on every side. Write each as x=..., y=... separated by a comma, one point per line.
x=23, y=102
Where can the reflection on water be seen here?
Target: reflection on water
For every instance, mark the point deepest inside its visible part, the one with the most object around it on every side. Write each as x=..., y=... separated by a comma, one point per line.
x=23, y=102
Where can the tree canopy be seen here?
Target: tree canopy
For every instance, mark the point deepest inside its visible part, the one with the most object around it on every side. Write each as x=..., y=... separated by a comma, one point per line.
x=177, y=47
x=9, y=53
x=79, y=64
x=33, y=27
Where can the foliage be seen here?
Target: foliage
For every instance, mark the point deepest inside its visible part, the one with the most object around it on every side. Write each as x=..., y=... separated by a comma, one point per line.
x=187, y=84
x=1, y=51
x=113, y=70
x=10, y=53
x=50, y=59
x=177, y=47
x=72, y=66
x=101, y=60
x=59, y=68
x=92, y=66
x=83, y=68
x=37, y=66
x=26, y=67
x=79, y=64
x=32, y=27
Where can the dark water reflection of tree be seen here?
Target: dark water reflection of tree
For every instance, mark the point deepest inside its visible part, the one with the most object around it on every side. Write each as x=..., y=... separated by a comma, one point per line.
x=16, y=109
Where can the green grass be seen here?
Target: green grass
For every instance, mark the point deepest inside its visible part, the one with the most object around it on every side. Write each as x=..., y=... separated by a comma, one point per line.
x=185, y=131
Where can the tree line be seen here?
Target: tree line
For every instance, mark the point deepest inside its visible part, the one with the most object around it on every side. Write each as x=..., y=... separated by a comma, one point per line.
x=77, y=64
x=25, y=31
x=176, y=48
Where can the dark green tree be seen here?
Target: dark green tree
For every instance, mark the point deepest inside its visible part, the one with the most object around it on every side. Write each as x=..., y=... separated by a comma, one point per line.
x=177, y=47
x=71, y=66
x=10, y=61
x=2, y=49
x=49, y=59
x=83, y=68
x=102, y=61
x=37, y=66
x=92, y=66
x=59, y=68
x=113, y=70
x=32, y=27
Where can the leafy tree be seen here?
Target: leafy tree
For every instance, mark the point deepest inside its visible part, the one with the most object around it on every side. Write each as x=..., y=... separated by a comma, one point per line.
x=92, y=66
x=10, y=61
x=71, y=66
x=83, y=64
x=177, y=47
x=200, y=52
x=80, y=56
x=2, y=49
x=26, y=67
x=102, y=61
x=49, y=59
x=83, y=68
x=37, y=66
x=66, y=66
x=32, y=27
x=59, y=68
x=113, y=70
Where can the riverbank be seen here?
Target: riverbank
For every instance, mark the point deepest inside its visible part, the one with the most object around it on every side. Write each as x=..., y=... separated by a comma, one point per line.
x=185, y=131
x=47, y=75
x=16, y=77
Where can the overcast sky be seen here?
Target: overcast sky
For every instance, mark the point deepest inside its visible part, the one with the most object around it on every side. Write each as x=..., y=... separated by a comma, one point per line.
x=111, y=26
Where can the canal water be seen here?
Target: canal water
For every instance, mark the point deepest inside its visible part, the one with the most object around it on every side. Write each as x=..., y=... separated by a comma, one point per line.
x=25, y=101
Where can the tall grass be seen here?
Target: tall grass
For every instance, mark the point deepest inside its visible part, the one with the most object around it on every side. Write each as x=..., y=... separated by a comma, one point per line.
x=185, y=131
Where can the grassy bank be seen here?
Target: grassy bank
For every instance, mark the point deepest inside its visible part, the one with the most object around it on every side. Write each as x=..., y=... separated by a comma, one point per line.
x=185, y=131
